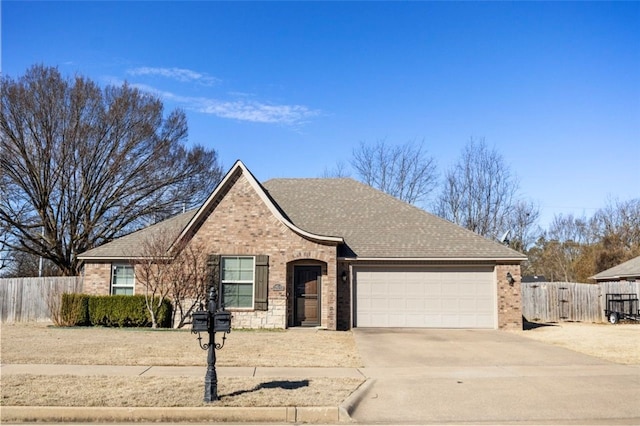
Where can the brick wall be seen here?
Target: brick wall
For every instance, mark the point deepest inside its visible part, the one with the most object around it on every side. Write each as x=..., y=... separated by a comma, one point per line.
x=97, y=278
x=344, y=297
x=242, y=224
x=509, y=300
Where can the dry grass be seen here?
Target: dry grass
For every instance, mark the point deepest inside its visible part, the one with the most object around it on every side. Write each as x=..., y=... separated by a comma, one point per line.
x=101, y=391
x=292, y=348
x=113, y=346
x=125, y=346
x=618, y=343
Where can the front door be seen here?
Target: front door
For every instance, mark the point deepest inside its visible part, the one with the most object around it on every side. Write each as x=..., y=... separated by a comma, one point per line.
x=306, y=281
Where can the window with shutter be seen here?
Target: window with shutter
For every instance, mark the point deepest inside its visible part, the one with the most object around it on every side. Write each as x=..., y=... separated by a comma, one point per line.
x=243, y=280
x=237, y=277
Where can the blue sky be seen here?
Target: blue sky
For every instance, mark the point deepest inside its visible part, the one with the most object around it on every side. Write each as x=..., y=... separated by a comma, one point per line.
x=292, y=87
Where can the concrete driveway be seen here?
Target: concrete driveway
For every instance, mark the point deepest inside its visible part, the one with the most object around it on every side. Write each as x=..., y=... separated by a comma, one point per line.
x=487, y=376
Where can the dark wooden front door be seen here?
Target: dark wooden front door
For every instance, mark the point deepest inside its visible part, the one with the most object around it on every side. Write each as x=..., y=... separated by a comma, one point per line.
x=307, y=295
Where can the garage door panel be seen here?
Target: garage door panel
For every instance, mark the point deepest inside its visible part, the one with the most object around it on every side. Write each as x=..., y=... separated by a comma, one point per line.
x=415, y=305
x=425, y=297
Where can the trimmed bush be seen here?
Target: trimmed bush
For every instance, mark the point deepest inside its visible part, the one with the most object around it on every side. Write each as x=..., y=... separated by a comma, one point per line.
x=112, y=311
x=74, y=309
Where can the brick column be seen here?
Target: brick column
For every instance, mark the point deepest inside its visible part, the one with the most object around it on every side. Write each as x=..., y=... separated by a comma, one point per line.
x=509, y=299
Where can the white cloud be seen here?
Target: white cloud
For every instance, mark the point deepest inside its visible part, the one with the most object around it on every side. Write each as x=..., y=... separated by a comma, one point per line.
x=257, y=112
x=243, y=110
x=179, y=74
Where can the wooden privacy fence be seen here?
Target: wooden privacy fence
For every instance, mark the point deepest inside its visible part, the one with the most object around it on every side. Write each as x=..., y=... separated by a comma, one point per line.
x=29, y=299
x=555, y=301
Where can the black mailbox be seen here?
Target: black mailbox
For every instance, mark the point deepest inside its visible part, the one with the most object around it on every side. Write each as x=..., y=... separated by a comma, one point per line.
x=222, y=321
x=200, y=321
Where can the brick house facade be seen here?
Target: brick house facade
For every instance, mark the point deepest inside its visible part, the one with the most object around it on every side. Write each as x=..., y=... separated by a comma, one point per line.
x=314, y=266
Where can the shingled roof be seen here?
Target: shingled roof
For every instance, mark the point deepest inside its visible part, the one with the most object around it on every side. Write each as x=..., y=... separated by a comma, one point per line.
x=628, y=269
x=130, y=245
x=372, y=224
x=376, y=225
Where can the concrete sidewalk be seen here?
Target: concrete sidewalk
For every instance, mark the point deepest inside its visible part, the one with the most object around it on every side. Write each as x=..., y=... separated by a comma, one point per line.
x=130, y=370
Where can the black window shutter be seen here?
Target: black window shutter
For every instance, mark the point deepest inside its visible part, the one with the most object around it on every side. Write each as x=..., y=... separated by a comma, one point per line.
x=213, y=271
x=261, y=282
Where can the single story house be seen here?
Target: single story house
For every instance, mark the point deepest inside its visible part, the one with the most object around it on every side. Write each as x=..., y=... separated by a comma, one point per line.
x=626, y=271
x=332, y=253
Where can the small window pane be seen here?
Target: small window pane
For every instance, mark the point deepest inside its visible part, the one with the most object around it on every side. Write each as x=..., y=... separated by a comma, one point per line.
x=122, y=279
x=245, y=275
x=238, y=295
x=237, y=269
x=237, y=281
x=125, y=291
x=123, y=275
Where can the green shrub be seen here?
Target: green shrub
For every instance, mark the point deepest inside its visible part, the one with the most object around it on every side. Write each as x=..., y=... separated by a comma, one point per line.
x=74, y=309
x=126, y=311
x=112, y=311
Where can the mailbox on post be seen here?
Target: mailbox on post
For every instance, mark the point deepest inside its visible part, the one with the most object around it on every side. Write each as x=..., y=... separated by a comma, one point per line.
x=222, y=322
x=214, y=319
x=200, y=321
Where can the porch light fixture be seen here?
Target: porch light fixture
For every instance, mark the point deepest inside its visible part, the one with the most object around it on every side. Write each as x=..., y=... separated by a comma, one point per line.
x=344, y=276
x=510, y=279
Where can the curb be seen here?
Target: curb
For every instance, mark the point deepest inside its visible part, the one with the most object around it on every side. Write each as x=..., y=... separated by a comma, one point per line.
x=171, y=414
x=351, y=403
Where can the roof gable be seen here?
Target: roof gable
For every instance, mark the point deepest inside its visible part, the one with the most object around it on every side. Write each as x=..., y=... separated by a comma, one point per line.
x=239, y=169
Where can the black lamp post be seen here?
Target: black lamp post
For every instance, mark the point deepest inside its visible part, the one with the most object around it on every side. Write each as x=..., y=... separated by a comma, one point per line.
x=215, y=318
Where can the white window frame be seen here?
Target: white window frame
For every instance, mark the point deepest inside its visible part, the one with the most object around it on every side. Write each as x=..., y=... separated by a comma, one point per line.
x=114, y=286
x=252, y=281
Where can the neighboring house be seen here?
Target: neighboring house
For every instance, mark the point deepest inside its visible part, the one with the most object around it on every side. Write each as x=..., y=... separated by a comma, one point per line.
x=626, y=271
x=333, y=253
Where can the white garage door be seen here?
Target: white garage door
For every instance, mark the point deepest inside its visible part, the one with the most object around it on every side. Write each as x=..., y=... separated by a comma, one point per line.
x=451, y=297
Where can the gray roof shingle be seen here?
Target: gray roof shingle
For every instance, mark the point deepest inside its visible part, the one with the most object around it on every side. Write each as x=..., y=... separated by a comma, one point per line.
x=373, y=224
x=130, y=245
x=628, y=269
x=377, y=225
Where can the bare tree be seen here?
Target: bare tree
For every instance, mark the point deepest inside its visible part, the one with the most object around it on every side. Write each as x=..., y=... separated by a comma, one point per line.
x=188, y=278
x=171, y=271
x=522, y=225
x=569, y=235
x=21, y=264
x=153, y=271
x=617, y=230
x=404, y=171
x=80, y=165
x=479, y=191
x=576, y=248
x=339, y=171
x=621, y=218
x=565, y=250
